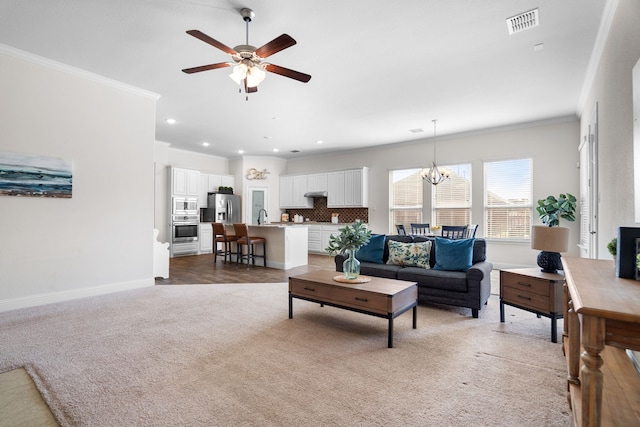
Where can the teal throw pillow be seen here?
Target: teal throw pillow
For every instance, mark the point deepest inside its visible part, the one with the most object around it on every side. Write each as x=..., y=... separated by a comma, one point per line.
x=453, y=255
x=409, y=254
x=372, y=251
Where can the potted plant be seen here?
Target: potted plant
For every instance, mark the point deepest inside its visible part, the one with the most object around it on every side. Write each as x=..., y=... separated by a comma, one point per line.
x=552, y=239
x=612, y=247
x=349, y=239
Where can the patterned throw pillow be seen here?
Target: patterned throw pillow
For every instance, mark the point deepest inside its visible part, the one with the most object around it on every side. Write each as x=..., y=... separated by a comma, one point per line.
x=409, y=254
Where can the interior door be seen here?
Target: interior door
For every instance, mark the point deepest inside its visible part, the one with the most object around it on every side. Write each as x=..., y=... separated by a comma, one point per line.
x=258, y=200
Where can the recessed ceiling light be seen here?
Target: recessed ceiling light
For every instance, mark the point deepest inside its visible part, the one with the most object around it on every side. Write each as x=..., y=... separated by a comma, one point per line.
x=275, y=150
x=319, y=141
x=170, y=121
x=205, y=144
x=240, y=151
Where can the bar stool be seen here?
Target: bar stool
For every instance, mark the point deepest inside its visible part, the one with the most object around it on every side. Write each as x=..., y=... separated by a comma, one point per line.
x=220, y=236
x=243, y=239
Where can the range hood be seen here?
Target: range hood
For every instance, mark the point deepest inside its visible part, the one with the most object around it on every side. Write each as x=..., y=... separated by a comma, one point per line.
x=316, y=194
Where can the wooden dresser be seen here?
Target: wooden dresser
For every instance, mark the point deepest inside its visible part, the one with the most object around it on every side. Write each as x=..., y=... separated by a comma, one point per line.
x=602, y=318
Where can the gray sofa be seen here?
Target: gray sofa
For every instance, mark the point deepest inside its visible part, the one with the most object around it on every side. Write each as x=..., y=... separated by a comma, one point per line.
x=463, y=289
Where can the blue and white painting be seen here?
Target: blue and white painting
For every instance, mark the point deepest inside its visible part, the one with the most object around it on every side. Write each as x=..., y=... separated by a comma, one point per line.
x=34, y=176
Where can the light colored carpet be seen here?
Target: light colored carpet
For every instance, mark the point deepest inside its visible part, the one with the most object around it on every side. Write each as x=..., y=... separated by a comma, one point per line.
x=205, y=355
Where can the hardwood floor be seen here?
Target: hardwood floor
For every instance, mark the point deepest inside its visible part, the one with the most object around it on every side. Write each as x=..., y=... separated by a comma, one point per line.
x=200, y=269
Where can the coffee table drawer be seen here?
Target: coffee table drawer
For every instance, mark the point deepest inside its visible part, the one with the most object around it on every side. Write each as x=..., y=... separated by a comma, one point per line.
x=355, y=298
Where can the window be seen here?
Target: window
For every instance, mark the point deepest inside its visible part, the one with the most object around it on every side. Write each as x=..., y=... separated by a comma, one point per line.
x=406, y=198
x=508, y=198
x=452, y=198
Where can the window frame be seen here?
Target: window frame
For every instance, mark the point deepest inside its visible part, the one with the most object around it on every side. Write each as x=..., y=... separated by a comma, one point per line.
x=392, y=208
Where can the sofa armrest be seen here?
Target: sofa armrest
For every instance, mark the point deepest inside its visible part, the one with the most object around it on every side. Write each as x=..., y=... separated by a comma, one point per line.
x=339, y=260
x=479, y=271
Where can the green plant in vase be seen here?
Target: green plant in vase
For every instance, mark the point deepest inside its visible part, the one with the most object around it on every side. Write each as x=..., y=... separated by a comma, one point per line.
x=348, y=240
x=552, y=239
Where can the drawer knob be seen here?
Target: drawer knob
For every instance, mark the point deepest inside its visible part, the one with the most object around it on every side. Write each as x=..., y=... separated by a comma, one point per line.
x=310, y=289
x=361, y=299
x=524, y=284
x=524, y=297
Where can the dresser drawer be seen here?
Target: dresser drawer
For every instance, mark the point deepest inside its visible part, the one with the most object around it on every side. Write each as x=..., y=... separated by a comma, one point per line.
x=526, y=299
x=525, y=284
x=364, y=300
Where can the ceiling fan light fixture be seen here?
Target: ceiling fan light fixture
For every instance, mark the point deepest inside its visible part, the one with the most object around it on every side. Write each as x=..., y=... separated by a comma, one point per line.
x=255, y=75
x=239, y=73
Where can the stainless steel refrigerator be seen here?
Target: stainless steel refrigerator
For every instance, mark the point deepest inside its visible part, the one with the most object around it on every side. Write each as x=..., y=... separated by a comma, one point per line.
x=224, y=208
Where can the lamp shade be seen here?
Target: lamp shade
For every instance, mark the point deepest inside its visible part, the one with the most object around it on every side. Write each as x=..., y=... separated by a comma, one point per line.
x=550, y=239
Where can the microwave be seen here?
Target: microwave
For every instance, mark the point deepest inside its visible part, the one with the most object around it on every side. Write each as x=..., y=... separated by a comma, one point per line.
x=184, y=206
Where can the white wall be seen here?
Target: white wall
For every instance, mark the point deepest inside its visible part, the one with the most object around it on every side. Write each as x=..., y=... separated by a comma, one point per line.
x=612, y=91
x=101, y=239
x=553, y=146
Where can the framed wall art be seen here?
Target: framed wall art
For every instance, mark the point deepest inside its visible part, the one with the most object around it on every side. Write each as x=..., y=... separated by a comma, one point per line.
x=34, y=175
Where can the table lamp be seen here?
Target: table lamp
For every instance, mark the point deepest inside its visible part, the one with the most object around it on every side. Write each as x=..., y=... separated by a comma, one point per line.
x=551, y=241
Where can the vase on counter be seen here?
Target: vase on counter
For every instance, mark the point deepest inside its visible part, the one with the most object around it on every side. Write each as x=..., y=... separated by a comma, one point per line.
x=351, y=266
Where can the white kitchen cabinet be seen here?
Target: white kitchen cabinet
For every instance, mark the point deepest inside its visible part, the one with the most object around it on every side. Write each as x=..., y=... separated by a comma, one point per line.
x=299, y=190
x=335, y=188
x=319, y=235
x=292, y=190
x=210, y=183
x=317, y=182
x=286, y=191
x=315, y=238
x=227, y=181
x=348, y=188
x=185, y=182
x=206, y=238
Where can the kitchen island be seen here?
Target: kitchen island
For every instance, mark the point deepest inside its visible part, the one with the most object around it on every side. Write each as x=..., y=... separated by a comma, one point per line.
x=287, y=244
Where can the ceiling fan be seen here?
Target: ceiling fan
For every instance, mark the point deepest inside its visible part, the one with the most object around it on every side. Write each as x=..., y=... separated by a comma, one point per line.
x=248, y=66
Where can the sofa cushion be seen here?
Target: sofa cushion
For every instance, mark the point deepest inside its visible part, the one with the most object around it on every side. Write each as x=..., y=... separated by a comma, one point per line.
x=387, y=271
x=372, y=251
x=453, y=255
x=454, y=281
x=409, y=254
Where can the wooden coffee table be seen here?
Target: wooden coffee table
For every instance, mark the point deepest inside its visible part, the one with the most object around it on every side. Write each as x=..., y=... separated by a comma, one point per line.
x=387, y=298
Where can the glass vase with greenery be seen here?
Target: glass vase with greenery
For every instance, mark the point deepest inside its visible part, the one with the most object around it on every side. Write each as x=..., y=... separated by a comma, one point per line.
x=348, y=240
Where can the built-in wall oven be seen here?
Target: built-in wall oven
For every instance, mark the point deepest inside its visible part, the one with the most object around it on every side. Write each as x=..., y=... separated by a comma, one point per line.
x=184, y=228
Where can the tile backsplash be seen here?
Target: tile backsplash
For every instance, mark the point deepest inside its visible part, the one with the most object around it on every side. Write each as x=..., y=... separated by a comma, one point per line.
x=322, y=213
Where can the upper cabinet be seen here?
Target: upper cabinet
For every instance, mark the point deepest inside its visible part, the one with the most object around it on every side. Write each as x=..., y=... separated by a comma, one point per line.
x=185, y=182
x=209, y=183
x=345, y=189
x=292, y=190
x=348, y=188
x=317, y=182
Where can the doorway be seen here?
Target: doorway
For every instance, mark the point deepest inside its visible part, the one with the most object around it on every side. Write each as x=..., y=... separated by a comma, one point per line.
x=258, y=199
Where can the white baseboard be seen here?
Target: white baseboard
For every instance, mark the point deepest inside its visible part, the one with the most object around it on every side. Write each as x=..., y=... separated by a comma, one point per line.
x=53, y=297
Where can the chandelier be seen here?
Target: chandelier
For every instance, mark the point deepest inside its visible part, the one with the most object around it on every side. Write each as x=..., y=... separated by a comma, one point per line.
x=434, y=174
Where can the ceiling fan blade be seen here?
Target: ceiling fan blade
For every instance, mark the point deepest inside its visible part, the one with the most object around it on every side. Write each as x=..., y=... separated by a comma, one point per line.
x=206, y=67
x=296, y=75
x=213, y=42
x=275, y=45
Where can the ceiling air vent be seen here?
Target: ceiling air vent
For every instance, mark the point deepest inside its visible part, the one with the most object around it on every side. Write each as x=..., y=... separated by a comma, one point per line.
x=523, y=21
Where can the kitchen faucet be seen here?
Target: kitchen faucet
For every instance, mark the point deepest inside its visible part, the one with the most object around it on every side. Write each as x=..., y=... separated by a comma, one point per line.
x=265, y=215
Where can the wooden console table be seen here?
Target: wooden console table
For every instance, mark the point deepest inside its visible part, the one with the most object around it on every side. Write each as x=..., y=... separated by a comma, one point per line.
x=602, y=317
